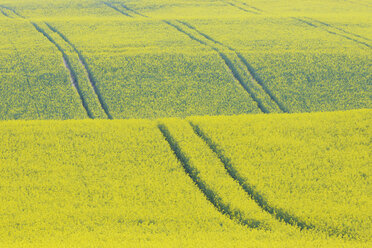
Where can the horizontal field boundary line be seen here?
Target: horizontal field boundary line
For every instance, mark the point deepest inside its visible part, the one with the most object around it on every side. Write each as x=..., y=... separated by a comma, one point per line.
x=250, y=70
x=277, y=213
x=210, y=195
x=13, y=11
x=116, y=9
x=307, y=22
x=87, y=70
x=337, y=28
x=252, y=11
x=230, y=66
x=68, y=67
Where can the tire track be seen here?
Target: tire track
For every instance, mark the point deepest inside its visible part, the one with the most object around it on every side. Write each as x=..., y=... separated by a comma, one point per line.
x=116, y=9
x=131, y=10
x=4, y=13
x=331, y=32
x=253, y=77
x=337, y=28
x=279, y=214
x=211, y=196
x=11, y=10
x=358, y=3
x=248, y=66
x=254, y=11
x=68, y=67
x=250, y=6
x=88, y=72
x=228, y=63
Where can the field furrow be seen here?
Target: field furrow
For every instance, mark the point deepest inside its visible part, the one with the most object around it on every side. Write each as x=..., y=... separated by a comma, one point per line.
x=322, y=27
x=250, y=11
x=4, y=13
x=68, y=66
x=132, y=10
x=249, y=69
x=277, y=213
x=249, y=6
x=304, y=172
x=110, y=5
x=11, y=12
x=337, y=28
x=207, y=171
x=236, y=65
x=89, y=75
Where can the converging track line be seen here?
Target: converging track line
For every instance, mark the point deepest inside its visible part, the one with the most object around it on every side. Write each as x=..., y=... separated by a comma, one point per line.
x=88, y=72
x=228, y=62
x=279, y=214
x=211, y=196
x=331, y=32
x=69, y=68
x=116, y=9
x=249, y=68
x=337, y=28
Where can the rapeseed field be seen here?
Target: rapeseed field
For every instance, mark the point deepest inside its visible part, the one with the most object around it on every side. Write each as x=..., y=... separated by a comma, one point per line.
x=185, y=123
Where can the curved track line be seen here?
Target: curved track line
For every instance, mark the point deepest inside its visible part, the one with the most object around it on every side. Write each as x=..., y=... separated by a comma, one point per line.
x=279, y=214
x=134, y=11
x=88, y=72
x=228, y=63
x=67, y=64
x=340, y=29
x=249, y=68
x=240, y=8
x=12, y=10
x=5, y=14
x=250, y=6
x=211, y=196
x=333, y=33
x=116, y=9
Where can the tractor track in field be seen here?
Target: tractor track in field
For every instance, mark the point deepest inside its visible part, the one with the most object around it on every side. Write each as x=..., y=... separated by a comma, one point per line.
x=320, y=26
x=131, y=10
x=131, y=13
x=248, y=66
x=11, y=10
x=250, y=6
x=277, y=213
x=230, y=65
x=116, y=9
x=358, y=3
x=210, y=195
x=68, y=67
x=87, y=70
x=337, y=28
x=4, y=13
x=253, y=11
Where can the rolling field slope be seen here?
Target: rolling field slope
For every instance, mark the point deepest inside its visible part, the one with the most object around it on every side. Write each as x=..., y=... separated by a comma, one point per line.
x=151, y=59
x=185, y=123
x=158, y=183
